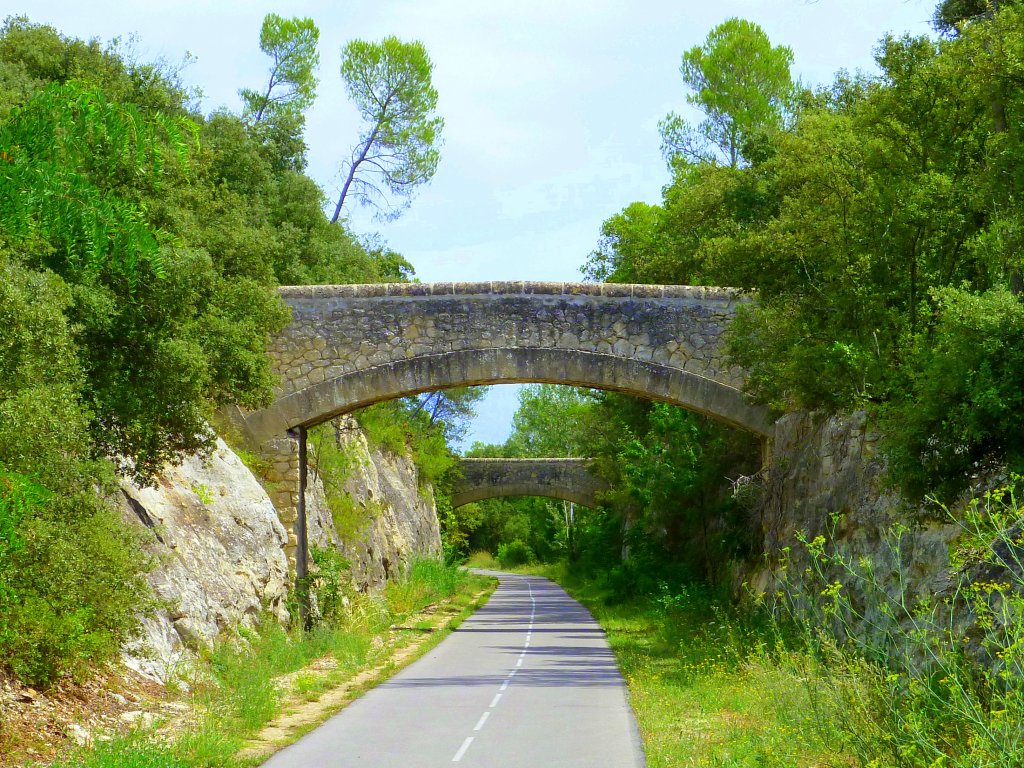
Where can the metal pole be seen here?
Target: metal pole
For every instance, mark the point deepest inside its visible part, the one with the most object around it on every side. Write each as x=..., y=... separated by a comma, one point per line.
x=302, y=543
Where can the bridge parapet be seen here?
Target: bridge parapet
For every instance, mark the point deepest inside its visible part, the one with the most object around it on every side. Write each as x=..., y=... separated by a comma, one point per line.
x=513, y=288
x=567, y=479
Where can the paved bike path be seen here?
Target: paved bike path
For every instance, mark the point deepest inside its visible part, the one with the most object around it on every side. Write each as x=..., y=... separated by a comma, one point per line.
x=527, y=680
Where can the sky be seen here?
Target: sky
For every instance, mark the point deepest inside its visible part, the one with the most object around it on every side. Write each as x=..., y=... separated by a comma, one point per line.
x=550, y=106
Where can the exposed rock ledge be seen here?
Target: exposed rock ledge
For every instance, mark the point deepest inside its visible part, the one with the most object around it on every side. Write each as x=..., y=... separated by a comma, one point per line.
x=220, y=553
x=402, y=519
x=219, y=545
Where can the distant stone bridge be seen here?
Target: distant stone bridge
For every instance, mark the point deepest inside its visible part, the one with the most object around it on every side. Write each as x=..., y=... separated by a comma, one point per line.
x=566, y=479
x=350, y=346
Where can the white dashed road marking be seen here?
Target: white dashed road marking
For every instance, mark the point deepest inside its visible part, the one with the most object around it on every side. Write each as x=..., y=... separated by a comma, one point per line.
x=462, y=749
x=504, y=685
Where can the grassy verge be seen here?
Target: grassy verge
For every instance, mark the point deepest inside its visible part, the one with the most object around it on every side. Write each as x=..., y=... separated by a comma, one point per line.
x=266, y=674
x=843, y=664
x=484, y=560
x=710, y=688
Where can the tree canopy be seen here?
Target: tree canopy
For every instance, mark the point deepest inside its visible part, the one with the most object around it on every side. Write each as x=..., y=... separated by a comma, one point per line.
x=141, y=243
x=390, y=84
x=292, y=46
x=872, y=223
x=276, y=112
x=742, y=85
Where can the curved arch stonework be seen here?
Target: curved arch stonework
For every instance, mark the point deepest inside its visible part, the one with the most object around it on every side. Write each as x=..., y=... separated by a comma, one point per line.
x=350, y=346
x=566, y=479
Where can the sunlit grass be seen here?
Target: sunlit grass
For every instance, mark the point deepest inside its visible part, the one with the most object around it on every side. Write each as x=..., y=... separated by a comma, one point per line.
x=484, y=560
x=708, y=688
x=237, y=691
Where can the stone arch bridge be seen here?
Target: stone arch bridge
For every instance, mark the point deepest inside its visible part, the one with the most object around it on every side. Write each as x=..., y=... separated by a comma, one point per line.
x=350, y=346
x=565, y=479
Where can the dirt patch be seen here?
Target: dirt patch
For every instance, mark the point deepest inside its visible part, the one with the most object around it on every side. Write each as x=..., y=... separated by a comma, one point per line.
x=41, y=726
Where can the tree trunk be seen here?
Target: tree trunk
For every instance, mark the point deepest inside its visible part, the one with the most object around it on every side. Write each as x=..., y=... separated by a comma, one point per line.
x=352, y=173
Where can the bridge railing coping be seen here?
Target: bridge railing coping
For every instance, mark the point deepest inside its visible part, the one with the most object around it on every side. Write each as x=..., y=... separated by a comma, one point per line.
x=513, y=288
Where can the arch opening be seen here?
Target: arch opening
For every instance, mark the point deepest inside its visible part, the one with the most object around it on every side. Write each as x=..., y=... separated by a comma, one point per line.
x=351, y=391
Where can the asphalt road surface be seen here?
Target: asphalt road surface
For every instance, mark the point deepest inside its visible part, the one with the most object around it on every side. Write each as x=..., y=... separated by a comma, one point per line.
x=528, y=681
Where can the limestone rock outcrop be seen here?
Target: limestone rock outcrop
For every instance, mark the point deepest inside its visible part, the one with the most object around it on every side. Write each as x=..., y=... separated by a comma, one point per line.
x=219, y=549
x=827, y=478
x=398, y=519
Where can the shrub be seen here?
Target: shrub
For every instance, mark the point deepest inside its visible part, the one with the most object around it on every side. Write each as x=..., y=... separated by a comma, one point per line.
x=964, y=414
x=481, y=558
x=330, y=584
x=386, y=426
x=443, y=579
x=425, y=581
x=71, y=592
x=921, y=680
x=514, y=553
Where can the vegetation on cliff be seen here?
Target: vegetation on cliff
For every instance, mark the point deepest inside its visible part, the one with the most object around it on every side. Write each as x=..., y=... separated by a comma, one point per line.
x=140, y=245
x=877, y=219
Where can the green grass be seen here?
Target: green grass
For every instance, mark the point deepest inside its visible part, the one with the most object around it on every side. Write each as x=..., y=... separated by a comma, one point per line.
x=483, y=559
x=709, y=687
x=235, y=692
x=426, y=582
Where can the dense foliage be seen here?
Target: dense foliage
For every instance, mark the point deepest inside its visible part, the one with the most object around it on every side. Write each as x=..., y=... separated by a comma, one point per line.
x=140, y=245
x=670, y=507
x=879, y=224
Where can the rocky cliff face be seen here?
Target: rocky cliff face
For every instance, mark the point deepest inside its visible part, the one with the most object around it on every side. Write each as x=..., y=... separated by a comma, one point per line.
x=220, y=547
x=396, y=518
x=825, y=478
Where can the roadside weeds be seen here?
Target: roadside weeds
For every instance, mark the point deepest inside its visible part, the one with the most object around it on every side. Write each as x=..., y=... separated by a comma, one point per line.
x=254, y=695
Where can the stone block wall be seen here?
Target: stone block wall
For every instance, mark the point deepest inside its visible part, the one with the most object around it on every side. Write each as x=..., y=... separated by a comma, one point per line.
x=350, y=346
x=340, y=329
x=282, y=484
x=568, y=479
